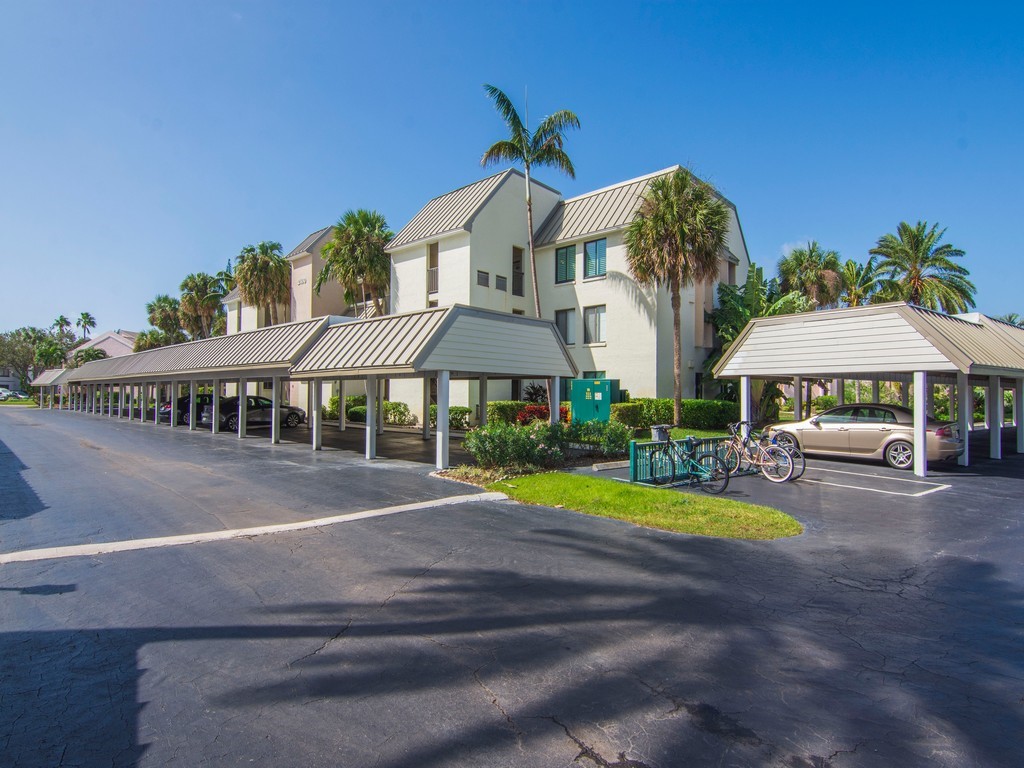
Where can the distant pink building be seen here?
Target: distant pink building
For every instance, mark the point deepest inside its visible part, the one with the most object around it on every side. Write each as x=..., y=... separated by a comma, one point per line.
x=114, y=343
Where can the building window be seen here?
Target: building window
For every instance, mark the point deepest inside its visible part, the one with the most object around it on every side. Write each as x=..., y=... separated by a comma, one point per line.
x=517, y=271
x=518, y=312
x=565, y=321
x=432, y=254
x=594, y=261
x=732, y=273
x=594, y=325
x=565, y=264
x=564, y=389
x=501, y=282
x=483, y=279
x=594, y=375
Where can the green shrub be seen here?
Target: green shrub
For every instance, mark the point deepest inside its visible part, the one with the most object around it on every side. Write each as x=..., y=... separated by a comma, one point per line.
x=610, y=438
x=627, y=414
x=458, y=416
x=824, y=402
x=509, y=445
x=354, y=401
x=709, y=414
x=788, y=404
x=396, y=412
x=357, y=413
x=504, y=411
x=699, y=414
x=330, y=411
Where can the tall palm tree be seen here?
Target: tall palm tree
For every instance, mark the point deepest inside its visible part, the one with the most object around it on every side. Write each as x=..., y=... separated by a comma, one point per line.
x=813, y=271
x=165, y=313
x=859, y=282
x=50, y=353
x=200, y=300
x=355, y=255
x=676, y=239
x=85, y=322
x=920, y=270
x=263, y=277
x=150, y=339
x=543, y=147
x=62, y=324
x=1012, y=318
x=227, y=278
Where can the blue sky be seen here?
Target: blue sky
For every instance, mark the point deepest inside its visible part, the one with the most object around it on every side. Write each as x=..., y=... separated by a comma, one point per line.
x=143, y=141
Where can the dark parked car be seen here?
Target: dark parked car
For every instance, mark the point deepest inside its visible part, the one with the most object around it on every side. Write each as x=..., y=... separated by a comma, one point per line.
x=257, y=413
x=202, y=400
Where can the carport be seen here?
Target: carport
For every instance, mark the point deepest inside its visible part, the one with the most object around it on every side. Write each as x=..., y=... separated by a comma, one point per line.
x=456, y=342
x=262, y=355
x=895, y=342
x=48, y=383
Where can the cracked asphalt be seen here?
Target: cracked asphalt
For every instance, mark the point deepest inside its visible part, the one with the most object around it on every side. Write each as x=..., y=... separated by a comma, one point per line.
x=490, y=633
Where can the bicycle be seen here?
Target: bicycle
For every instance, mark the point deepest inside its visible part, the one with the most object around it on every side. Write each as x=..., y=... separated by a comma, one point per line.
x=742, y=451
x=788, y=445
x=677, y=459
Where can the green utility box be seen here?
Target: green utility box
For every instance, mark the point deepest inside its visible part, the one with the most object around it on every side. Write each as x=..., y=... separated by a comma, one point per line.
x=592, y=399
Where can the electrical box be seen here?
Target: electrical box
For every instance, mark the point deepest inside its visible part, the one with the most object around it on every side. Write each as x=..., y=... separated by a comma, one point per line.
x=591, y=399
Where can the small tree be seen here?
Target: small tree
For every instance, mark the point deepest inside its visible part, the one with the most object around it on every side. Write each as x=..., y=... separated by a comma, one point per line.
x=920, y=269
x=355, y=257
x=814, y=272
x=263, y=277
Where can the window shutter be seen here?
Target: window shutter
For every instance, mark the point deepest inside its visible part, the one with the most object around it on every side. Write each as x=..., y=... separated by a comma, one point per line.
x=596, y=262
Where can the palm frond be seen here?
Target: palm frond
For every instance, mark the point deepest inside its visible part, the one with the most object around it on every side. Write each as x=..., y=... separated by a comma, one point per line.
x=504, y=151
x=506, y=109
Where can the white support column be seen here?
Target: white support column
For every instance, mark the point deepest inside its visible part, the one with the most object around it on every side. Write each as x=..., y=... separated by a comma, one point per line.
x=443, y=429
x=110, y=401
x=215, y=405
x=556, y=403
x=744, y=398
x=483, y=400
x=874, y=391
x=342, y=416
x=121, y=401
x=994, y=411
x=840, y=391
x=275, y=419
x=1018, y=412
x=964, y=414
x=920, y=425
x=426, y=407
x=798, y=398
x=243, y=410
x=315, y=414
x=371, y=417
x=192, y=415
x=156, y=402
x=60, y=400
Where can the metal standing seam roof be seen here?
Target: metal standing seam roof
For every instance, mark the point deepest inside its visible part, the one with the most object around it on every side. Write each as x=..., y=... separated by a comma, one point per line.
x=46, y=378
x=303, y=247
x=276, y=346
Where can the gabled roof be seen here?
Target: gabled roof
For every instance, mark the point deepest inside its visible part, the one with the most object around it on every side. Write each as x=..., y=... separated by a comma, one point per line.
x=46, y=378
x=467, y=341
x=231, y=296
x=125, y=339
x=454, y=211
x=306, y=244
x=265, y=350
x=873, y=341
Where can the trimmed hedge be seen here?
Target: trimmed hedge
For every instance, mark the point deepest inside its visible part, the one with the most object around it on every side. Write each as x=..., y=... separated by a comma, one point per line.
x=699, y=414
x=824, y=402
x=357, y=413
x=504, y=411
x=458, y=416
x=397, y=412
x=541, y=444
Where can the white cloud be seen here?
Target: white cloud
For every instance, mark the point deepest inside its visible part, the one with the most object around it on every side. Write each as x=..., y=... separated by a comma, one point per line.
x=786, y=248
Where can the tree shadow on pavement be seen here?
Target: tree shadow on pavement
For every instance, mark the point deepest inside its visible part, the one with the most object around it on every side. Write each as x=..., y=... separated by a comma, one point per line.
x=17, y=498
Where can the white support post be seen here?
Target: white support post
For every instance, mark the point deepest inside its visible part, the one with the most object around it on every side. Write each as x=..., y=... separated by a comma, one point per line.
x=243, y=410
x=110, y=401
x=121, y=401
x=60, y=400
x=874, y=391
x=215, y=405
x=1018, y=412
x=798, y=398
x=371, y=417
x=744, y=398
x=555, y=404
x=920, y=425
x=964, y=415
x=443, y=428
x=342, y=416
x=994, y=411
x=840, y=392
x=192, y=393
x=156, y=402
x=426, y=407
x=316, y=415
x=483, y=400
x=275, y=418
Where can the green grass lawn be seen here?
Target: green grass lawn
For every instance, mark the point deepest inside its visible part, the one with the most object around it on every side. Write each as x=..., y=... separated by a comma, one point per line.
x=650, y=507
x=678, y=433
x=22, y=403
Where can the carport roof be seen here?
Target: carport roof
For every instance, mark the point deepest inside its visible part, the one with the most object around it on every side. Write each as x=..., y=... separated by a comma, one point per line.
x=265, y=351
x=873, y=341
x=46, y=378
x=466, y=341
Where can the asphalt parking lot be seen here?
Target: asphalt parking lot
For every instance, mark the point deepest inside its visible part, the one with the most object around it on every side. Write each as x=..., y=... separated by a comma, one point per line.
x=485, y=632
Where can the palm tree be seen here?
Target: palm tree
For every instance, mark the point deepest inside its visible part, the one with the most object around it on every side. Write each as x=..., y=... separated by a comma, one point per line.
x=165, y=313
x=62, y=324
x=200, y=300
x=1011, y=318
x=150, y=339
x=859, y=282
x=676, y=239
x=227, y=278
x=921, y=271
x=50, y=353
x=541, y=148
x=263, y=277
x=88, y=355
x=85, y=322
x=812, y=271
x=355, y=255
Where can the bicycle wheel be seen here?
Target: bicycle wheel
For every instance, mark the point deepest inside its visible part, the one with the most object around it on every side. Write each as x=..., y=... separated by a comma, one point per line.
x=663, y=466
x=729, y=455
x=799, y=462
x=776, y=464
x=711, y=473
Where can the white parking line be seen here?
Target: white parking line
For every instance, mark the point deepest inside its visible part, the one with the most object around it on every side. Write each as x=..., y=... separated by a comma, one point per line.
x=84, y=550
x=932, y=489
x=876, y=490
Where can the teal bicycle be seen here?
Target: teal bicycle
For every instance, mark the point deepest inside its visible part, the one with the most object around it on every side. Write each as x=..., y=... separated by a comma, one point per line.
x=677, y=461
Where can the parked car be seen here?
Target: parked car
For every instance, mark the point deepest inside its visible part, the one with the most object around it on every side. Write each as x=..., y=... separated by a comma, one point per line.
x=18, y=395
x=202, y=400
x=4, y=393
x=258, y=412
x=871, y=431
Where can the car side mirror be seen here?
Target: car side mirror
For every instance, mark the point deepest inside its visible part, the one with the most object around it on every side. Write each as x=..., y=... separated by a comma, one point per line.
x=814, y=421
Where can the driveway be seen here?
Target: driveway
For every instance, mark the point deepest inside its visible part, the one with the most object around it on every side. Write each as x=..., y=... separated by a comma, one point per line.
x=487, y=633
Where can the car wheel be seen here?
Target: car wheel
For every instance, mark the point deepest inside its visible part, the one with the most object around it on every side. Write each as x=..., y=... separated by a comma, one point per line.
x=293, y=420
x=786, y=440
x=232, y=423
x=899, y=455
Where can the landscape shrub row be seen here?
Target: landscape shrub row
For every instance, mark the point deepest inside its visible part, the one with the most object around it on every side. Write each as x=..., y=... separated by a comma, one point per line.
x=521, y=412
x=698, y=414
x=544, y=445
x=395, y=411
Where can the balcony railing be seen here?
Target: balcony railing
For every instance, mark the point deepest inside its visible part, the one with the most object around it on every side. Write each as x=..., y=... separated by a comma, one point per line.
x=517, y=284
x=431, y=279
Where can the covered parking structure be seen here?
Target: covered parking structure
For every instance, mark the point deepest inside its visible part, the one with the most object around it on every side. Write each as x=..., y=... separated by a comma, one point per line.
x=48, y=384
x=895, y=342
x=440, y=344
